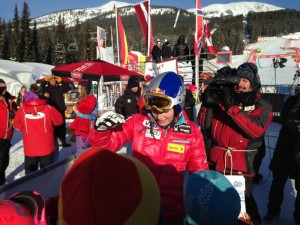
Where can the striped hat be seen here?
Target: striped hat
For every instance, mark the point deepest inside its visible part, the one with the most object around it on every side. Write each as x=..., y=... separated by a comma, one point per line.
x=103, y=187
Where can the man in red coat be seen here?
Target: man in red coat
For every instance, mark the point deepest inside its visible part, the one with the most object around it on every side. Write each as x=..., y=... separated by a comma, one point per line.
x=234, y=127
x=7, y=112
x=36, y=120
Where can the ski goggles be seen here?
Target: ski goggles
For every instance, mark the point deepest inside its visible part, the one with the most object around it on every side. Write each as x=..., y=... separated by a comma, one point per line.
x=158, y=102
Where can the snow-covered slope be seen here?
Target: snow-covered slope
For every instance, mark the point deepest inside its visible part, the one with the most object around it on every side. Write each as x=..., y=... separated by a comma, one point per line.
x=70, y=16
x=236, y=8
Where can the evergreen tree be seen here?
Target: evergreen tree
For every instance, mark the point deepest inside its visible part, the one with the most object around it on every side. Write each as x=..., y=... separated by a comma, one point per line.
x=49, y=55
x=6, y=43
x=15, y=36
x=35, y=44
x=2, y=29
x=24, y=53
x=218, y=39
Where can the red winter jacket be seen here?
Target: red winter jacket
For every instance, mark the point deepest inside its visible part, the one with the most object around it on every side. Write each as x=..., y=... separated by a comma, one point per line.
x=36, y=120
x=6, y=116
x=167, y=153
x=84, y=118
x=236, y=135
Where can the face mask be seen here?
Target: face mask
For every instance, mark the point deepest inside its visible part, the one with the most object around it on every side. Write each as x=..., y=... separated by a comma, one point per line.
x=2, y=89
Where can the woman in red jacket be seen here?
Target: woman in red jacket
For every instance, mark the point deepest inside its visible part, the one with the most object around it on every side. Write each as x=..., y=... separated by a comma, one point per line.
x=36, y=120
x=86, y=112
x=162, y=138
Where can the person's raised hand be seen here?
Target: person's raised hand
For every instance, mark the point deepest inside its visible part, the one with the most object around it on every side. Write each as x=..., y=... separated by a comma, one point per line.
x=108, y=120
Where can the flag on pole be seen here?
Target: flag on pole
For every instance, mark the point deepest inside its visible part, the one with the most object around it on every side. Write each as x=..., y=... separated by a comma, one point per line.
x=101, y=36
x=199, y=33
x=142, y=10
x=210, y=47
x=123, y=48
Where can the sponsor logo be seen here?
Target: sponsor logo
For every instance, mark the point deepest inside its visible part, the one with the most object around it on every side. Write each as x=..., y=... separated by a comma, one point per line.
x=176, y=148
x=237, y=184
x=146, y=123
x=157, y=90
x=155, y=134
x=35, y=116
x=183, y=129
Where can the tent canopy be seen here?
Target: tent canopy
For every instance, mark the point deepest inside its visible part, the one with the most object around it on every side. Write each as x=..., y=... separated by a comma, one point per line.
x=17, y=74
x=93, y=70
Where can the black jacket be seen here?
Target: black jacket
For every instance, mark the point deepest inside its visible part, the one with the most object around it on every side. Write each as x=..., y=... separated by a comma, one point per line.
x=181, y=49
x=130, y=102
x=156, y=53
x=166, y=51
x=282, y=160
x=56, y=94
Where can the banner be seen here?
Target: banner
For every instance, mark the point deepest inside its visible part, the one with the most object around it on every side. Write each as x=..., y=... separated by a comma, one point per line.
x=155, y=68
x=144, y=16
x=123, y=48
x=106, y=54
x=101, y=36
x=199, y=33
x=238, y=182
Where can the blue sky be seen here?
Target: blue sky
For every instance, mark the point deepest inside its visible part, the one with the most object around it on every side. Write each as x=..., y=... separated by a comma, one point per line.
x=42, y=7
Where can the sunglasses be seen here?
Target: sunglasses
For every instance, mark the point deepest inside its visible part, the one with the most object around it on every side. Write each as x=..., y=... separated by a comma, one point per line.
x=158, y=102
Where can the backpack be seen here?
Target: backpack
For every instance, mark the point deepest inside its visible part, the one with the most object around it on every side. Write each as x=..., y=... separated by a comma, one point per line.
x=119, y=105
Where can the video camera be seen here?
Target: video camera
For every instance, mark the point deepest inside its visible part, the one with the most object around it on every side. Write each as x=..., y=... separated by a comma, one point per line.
x=223, y=82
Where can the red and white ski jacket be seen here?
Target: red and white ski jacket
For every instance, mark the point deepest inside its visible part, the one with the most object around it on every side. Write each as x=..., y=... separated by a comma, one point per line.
x=166, y=152
x=236, y=134
x=36, y=120
x=7, y=110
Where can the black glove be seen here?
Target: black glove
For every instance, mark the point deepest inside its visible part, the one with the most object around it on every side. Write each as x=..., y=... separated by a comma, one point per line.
x=228, y=99
x=108, y=120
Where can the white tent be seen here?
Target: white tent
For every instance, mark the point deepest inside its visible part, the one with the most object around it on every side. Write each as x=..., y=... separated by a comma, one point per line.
x=17, y=74
x=39, y=70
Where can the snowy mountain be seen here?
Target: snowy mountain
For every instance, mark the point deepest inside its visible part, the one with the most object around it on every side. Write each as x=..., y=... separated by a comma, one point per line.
x=216, y=10
x=235, y=9
x=70, y=16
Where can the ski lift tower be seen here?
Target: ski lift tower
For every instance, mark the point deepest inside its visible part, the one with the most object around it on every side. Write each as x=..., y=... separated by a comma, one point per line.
x=60, y=52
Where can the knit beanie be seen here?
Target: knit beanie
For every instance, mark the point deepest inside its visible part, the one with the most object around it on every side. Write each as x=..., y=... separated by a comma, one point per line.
x=87, y=85
x=210, y=199
x=133, y=82
x=103, y=187
x=30, y=96
x=249, y=71
x=2, y=81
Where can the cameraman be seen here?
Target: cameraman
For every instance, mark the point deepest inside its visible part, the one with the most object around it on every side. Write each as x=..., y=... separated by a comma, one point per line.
x=234, y=126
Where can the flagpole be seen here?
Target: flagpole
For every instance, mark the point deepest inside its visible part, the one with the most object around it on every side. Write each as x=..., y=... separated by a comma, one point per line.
x=196, y=69
x=112, y=43
x=148, y=22
x=197, y=73
x=117, y=31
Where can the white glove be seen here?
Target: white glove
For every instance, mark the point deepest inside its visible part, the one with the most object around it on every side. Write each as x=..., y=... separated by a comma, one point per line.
x=107, y=120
